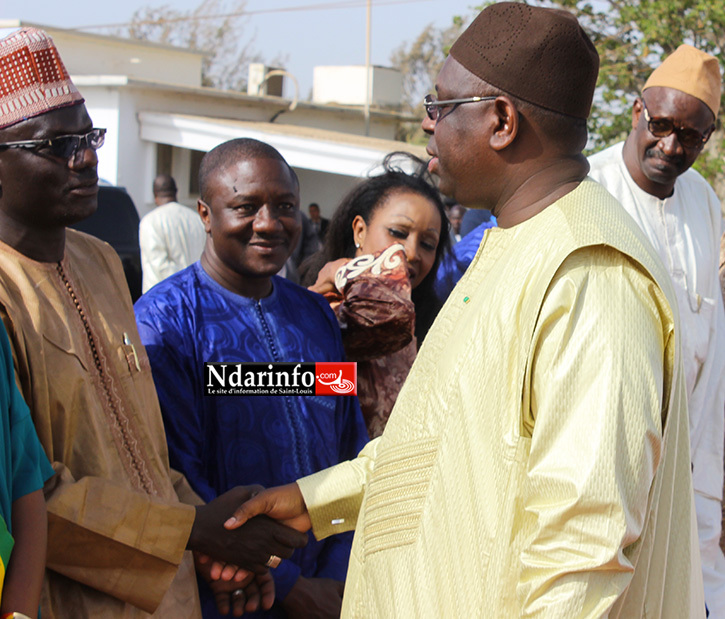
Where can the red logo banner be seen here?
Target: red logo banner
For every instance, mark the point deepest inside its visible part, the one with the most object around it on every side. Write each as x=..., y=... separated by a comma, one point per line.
x=336, y=378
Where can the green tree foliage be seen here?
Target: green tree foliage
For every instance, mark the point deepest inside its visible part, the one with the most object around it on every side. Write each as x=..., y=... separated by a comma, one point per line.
x=420, y=62
x=213, y=27
x=632, y=38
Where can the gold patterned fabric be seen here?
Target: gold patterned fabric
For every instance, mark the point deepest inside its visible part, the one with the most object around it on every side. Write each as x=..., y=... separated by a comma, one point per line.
x=536, y=463
x=684, y=229
x=116, y=527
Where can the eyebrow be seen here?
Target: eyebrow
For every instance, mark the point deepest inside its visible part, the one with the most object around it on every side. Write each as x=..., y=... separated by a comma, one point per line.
x=56, y=132
x=289, y=195
x=45, y=133
x=672, y=118
x=432, y=228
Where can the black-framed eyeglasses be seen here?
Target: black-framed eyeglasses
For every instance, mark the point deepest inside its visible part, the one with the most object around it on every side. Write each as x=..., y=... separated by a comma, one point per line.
x=433, y=107
x=664, y=127
x=64, y=146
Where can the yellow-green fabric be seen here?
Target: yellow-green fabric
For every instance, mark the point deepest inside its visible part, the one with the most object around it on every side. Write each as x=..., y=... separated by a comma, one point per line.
x=536, y=463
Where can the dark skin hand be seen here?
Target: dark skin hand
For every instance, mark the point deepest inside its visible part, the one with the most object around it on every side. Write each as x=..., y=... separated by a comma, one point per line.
x=248, y=547
x=24, y=576
x=326, y=277
x=258, y=591
x=218, y=570
x=283, y=503
x=310, y=597
x=255, y=591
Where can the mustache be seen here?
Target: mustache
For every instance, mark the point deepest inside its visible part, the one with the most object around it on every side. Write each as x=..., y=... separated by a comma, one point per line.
x=656, y=153
x=86, y=177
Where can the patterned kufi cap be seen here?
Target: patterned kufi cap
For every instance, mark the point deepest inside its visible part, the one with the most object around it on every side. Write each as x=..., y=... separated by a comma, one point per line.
x=691, y=71
x=540, y=55
x=33, y=79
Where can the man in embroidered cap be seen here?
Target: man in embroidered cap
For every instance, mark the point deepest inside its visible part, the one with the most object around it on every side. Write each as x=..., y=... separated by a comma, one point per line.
x=680, y=214
x=119, y=520
x=536, y=462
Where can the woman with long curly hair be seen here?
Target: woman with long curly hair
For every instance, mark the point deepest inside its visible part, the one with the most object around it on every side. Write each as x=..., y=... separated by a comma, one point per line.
x=377, y=267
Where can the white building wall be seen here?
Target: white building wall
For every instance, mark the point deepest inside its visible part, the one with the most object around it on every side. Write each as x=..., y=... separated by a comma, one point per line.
x=124, y=160
x=103, y=107
x=347, y=85
x=387, y=87
x=135, y=156
x=86, y=54
x=218, y=104
x=128, y=161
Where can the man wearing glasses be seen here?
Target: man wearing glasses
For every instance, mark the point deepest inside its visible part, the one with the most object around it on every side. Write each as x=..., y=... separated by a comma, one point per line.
x=536, y=462
x=119, y=520
x=680, y=214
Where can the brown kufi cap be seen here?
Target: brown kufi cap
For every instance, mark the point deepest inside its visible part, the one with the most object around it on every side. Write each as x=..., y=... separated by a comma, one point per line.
x=542, y=56
x=691, y=71
x=33, y=79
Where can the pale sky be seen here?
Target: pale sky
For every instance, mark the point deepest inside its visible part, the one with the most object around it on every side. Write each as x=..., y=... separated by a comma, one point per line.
x=318, y=34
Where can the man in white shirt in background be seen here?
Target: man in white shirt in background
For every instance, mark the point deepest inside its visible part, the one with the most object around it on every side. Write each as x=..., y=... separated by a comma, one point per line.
x=171, y=236
x=680, y=214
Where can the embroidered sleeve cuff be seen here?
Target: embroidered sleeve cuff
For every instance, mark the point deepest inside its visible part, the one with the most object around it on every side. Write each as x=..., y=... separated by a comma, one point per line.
x=333, y=496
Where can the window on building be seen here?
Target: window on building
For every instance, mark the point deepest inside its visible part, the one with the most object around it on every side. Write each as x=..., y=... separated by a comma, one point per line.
x=194, y=164
x=163, y=158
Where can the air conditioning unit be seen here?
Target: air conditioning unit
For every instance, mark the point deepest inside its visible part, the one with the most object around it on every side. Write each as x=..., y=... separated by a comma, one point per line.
x=260, y=84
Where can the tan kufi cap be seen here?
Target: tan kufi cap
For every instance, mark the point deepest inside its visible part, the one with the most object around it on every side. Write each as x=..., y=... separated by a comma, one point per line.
x=691, y=71
x=33, y=79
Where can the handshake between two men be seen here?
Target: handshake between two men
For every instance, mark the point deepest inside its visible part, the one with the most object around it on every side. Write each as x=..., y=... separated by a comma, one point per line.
x=265, y=527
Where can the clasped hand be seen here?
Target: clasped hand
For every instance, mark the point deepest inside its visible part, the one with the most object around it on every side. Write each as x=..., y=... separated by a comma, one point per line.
x=283, y=503
x=249, y=548
x=241, y=552
x=242, y=592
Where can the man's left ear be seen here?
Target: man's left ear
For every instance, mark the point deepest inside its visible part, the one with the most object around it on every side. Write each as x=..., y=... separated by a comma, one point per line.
x=637, y=109
x=507, y=123
x=205, y=214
